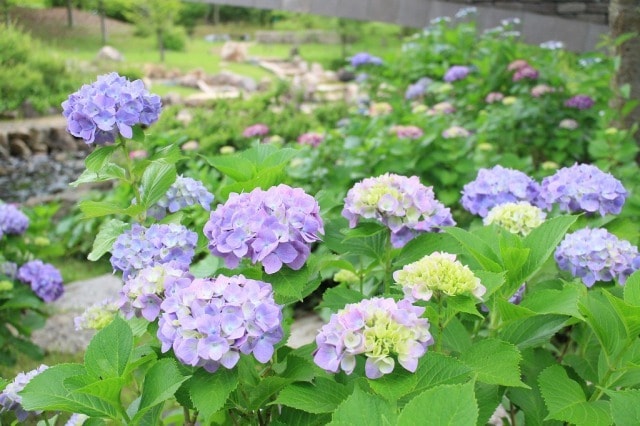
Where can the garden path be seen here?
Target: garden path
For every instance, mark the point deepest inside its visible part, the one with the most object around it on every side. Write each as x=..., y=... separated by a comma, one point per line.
x=59, y=333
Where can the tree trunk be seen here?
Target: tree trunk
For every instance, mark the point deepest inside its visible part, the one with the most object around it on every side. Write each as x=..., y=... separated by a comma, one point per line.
x=5, y=9
x=216, y=14
x=69, y=14
x=103, y=28
x=624, y=18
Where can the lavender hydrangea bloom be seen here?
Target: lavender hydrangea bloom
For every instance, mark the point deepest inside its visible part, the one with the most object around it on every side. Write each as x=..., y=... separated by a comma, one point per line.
x=140, y=247
x=418, y=89
x=364, y=58
x=256, y=130
x=584, y=188
x=275, y=227
x=45, y=280
x=382, y=329
x=183, y=193
x=596, y=255
x=142, y=295
x=9, y=269
x=112, y=105
x=12, y=220
x=580, y=102
x=401, y=203
x=455, y=73
x=76, y=419
x=212, y=321
x=499, y=185
x=10, y=400
x=311, y=138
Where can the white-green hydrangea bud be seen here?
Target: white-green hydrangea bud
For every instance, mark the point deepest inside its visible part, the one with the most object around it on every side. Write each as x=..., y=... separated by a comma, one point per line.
x=437, y=272
x=345, y=276
x=97, y=316
x=517, y=218
x=6, y=285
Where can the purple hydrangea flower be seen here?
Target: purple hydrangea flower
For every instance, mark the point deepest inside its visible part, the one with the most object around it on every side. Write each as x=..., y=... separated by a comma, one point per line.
x=499, y=185
x=364, y=58
x=311, y=138
x=256, y=130
x=142, y=295
x=584, y=188
x=579, y=102
x=407, y=132
x=275, y=227
x=9, y=269
x=418, y=89
x=45, y=280
x=401, y=203
x=183, y=193
x=10, y=400
x=527, y=72
x=12, y=220
x=76, y=419
x=596, y=255
x=382, y=329
x=140, y=247
x=456, y=72
x=112, y=105
x=212, y=321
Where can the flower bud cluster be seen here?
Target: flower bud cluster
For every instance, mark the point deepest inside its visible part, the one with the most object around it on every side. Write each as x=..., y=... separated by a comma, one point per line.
x=517, y=218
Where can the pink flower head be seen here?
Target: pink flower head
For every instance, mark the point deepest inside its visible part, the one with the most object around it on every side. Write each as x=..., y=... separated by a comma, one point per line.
x=525, y=72
x=517, y=65
x=256, y=130
x=310, y=138
x=407, y=132
x=541, y=89
x=494, y=97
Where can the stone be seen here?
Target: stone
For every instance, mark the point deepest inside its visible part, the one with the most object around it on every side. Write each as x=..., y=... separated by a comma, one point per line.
x=27, y=110
x=109, y=53
x=36, y=141
x=233, y=51
x=19, y=147
x=61, y=141
x=154, y=71
x=184, y=116
x=571, y=7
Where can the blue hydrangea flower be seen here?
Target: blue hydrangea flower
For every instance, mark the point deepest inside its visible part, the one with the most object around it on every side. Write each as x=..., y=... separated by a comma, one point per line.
x=112, y=105
x=499, y=185
x=45, y=280
x=10, y=400
x=183, y=193
x=142, y=294
x=596, y=255
x=584, y=188
x=364, y=58
x=401, y=203
x=140, y=247
x=12, y=220
x=76, y=419
x=212, y=321
x=274, y=227
x=456, y=72
x=382, y=329
x=418, y=89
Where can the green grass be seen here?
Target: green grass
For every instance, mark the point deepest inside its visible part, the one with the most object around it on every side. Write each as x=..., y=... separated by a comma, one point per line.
x=73, y=269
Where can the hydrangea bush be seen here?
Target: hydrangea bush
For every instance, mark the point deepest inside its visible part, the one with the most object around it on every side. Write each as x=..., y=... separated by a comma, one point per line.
x=481, y=320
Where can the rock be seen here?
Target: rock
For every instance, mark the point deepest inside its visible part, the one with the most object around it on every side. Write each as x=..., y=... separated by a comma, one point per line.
x=109, y=53
x=172, y=98
x=346, y=76
x=185, y=117
x=61, y=141
x=154, y=71
x=36, y=142
x=19, y=147
x=27, y=110
x=233, y=51
x=190, y=145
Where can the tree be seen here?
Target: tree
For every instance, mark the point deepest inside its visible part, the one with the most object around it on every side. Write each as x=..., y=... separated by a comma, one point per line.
x=624, y=19
x=70, y=13
x=158, y=15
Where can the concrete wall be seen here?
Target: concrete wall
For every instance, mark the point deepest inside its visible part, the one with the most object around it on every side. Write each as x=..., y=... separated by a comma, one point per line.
x=579, y=24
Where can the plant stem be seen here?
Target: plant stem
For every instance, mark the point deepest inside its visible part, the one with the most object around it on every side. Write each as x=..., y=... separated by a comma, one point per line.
x=131, y=176
x=187, y=417
x=440, y=327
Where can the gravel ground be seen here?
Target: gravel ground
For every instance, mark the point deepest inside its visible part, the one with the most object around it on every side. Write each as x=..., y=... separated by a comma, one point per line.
x=60, y=335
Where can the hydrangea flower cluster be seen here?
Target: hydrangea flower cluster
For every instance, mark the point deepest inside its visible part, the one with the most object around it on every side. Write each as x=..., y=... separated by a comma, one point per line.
x=12, y=220
x=541, y=89
x=256, y=130
x=401, y=203
x=522, y=70
x=9, y=269
x=499, y=185
x=378, y=109
x=517, y=218
x=311, y=138
x=455, y=132
x=275, y=227
x=568, y=123
x=45, y=280
x=97, y=316
x=597, y=255
x=184, y=192
x=212, y=321
x=418, y=89
x=382, y=329
x=10, y=400
x=140, y=247
x=110, y=106
x=407, y=132
x=365, y=58
x=437, y=272
x=142, y=294
x=580, y=102
x=455, y=73
x=584, y=188
x=441, y=108
x=494, y=97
